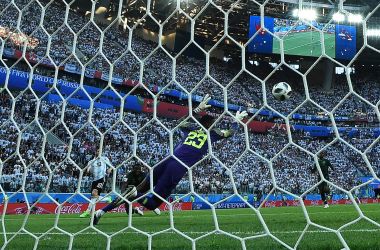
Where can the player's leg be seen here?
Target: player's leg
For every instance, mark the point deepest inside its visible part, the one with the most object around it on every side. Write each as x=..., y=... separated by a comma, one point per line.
x=94, y=198
x=358, y=200
x=128, y=193
x=324, y=198
x=140, y=190
x=107, y=199
x=138, y=210
x=322, y=191
x=157, y=211
x=132, y=192
x=164, y=185
x=96, y=189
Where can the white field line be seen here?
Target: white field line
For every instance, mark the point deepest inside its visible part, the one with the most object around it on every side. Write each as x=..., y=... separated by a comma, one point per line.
x=205, y=232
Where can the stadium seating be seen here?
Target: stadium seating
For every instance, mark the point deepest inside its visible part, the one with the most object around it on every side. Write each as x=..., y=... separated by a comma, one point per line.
x=250, y=173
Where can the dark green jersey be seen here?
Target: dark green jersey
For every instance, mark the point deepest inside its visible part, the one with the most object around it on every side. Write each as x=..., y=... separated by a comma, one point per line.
x=135, y=177
x=325, y=165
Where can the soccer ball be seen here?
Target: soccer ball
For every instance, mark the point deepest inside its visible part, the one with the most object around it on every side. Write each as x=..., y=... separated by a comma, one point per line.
x=281, y=91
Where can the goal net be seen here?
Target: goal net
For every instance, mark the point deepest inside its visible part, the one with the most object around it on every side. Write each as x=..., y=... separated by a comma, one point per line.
x=113, y=82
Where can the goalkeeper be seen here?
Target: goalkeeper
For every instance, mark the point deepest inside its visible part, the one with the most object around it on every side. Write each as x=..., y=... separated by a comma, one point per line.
x=167, y=174
x=323, y=187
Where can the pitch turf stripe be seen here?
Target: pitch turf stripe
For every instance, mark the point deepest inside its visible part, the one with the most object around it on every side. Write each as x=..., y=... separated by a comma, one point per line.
x=302, y=36
x=296, y=36
x=199, y=232
x=184, y=216
x=305, y=44
x=317, y=43
x=7, y=217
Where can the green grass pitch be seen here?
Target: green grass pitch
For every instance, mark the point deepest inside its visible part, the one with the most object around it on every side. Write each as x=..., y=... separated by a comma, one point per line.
x=286, y=223
x=306, y=44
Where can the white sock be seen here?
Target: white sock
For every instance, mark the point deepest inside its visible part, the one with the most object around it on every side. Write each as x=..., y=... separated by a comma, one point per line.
x=157, y=211
x=92, y=204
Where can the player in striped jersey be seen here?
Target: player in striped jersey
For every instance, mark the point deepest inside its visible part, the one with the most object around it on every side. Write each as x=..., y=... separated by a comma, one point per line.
x=99, y=168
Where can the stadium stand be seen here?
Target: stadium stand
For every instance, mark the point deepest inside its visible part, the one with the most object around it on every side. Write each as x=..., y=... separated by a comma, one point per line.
x=251, y=174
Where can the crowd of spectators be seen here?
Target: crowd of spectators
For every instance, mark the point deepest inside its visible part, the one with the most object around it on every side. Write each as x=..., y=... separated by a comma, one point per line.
x=46, y=148
x=48, y=144
x=157, y=64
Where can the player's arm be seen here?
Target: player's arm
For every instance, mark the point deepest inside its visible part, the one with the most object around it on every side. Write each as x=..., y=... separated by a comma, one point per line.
x=224, y=133
x=201, y=107
x=203, y=104
x=108, y=164
x=234, y=127
x=90, y=166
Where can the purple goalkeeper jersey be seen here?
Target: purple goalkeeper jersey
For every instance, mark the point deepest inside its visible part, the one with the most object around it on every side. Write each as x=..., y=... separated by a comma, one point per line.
x=194, y=146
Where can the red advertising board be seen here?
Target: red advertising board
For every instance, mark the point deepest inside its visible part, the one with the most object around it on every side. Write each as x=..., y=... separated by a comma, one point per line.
x=18, y=54
x=172, y=110
x=260, y=127
x=98, y=74
x=76, y=208
x=165, y=109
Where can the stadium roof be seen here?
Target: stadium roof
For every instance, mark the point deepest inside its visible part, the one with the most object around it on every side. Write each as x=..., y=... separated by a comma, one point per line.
x=210, y=21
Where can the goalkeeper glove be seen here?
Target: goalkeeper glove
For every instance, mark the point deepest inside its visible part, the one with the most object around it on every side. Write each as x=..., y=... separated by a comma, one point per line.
x=203, y=105
x=240, y=115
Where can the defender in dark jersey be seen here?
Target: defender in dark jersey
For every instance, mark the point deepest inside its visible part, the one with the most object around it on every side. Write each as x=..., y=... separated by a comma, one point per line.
x=323, y=187
x=134, y=178
x=167, y=174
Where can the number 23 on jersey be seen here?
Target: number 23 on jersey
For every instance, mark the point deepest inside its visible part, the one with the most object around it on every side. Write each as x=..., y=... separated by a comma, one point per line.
x=196, y=139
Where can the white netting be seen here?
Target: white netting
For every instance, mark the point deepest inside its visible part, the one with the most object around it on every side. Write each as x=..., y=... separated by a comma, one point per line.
x=101, y=79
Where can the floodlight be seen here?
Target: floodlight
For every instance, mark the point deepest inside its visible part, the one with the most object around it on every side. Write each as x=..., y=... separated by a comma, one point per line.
x=373, y=32
x=338, y=17
x=307, y=14
x=355, y=18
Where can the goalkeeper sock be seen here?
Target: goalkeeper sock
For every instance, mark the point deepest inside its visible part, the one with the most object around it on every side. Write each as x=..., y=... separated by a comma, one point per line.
x=109, y=207
x=150, y=203
x=92, y=204
x=115, y=204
